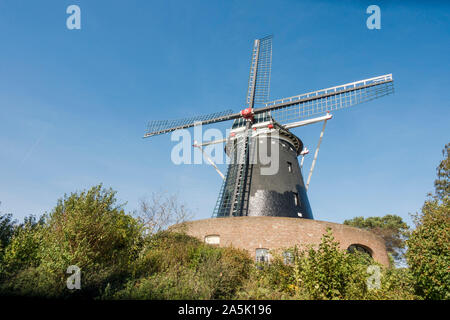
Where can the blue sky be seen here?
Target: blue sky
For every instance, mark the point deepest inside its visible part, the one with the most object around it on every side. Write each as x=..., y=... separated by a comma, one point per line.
x=74, y=103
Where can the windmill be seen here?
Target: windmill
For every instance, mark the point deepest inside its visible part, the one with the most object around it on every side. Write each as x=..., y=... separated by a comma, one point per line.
x=263, y=124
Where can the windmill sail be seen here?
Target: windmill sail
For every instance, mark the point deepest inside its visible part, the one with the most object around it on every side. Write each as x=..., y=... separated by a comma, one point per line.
x=260, y=69
x=156, y=127
x=308, y=104
x=234, y=195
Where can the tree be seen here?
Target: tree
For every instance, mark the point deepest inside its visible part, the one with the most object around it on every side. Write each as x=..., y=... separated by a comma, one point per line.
x=428, y=252
x=391, y=228
x=18, y=243
x=32, y=222
x=6, y=234
x=6, y=229
x=22, y=250
x=442, y=184
x=87, y=229
x=330, y=273
x=161, y=211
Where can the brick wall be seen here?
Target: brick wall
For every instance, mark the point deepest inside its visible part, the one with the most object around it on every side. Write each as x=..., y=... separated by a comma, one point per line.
x=271, y=233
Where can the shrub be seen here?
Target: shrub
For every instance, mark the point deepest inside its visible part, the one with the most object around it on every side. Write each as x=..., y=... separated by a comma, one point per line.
x=325, y=272
x=85, y=229
x=119, y=260
x=22, y=251
x=177, y=266
x=428, y=252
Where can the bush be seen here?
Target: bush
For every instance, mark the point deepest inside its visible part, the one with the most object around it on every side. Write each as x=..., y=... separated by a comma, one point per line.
x=325, y=272
x=6, y=230
x=396, y=284
x=177, y=266
x=174, y=284
x=119, y=260
x=85, y=229
x=22, y=251
x=428, y=252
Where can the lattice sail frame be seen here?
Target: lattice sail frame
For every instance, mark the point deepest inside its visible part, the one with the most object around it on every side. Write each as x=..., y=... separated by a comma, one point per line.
x=302, y=106
x=260, y=70
x=294, y=108
x=156, y=127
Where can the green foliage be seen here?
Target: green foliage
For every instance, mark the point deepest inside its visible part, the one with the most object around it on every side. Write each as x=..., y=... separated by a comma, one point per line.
x=329, y=273
x=325, y=272
x=428, y=253
x=174, y=284
x=22, y=251
x=442, y=183
x=155, y=257
x=119, y=260
x=390, y=227
x=396, y=284
x=6, y=229
x=6, y=234
x=85, y=229
x=177, y=266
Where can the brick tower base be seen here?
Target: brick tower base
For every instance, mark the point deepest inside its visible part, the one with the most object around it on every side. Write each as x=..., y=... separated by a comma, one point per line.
x=277, y=233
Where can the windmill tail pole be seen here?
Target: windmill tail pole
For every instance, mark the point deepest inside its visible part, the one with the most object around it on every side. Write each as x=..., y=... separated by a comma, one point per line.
x=209, y=160
x=316, y=154
x=304, y=152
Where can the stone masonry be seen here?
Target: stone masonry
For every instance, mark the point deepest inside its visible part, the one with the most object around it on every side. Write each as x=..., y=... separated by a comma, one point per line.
x=251, y=233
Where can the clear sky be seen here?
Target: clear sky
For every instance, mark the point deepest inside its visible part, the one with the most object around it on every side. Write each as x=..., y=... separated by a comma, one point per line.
x=74, y=103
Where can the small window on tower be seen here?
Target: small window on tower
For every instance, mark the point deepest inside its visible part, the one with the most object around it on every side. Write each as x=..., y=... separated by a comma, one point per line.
x=296, y=199
x=262, y=255
x=288, y=257
x=289, y=166
x=212, y=239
